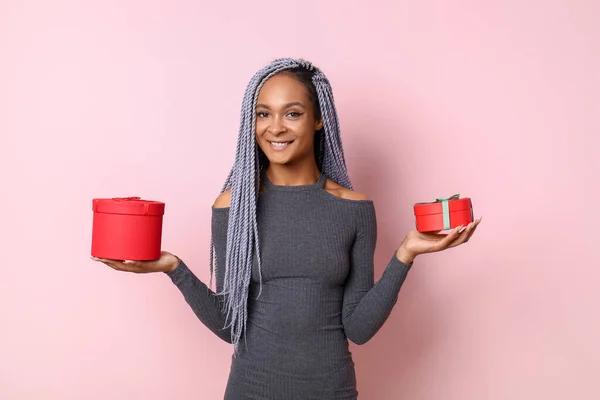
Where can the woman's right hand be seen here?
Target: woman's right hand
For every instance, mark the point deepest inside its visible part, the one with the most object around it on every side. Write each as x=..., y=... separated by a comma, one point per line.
x=166, y=263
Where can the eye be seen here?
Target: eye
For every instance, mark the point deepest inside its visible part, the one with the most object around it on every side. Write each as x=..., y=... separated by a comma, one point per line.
x=261, y=114
x=294, y=114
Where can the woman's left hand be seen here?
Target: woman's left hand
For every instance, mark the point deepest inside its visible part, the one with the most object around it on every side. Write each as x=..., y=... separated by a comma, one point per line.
x=417, y=243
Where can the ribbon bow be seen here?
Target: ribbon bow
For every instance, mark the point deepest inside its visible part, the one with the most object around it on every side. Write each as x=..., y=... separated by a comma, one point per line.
x=442, y=199
x=126, y=198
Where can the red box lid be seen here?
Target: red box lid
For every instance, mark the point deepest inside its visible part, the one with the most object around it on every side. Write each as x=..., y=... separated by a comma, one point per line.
x=128, y=206
x=436, y=207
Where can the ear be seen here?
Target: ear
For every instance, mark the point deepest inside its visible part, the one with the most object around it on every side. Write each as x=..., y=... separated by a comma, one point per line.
x=319, y=125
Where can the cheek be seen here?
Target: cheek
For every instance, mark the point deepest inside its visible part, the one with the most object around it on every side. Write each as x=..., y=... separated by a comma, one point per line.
x=259, y=137
x=307, y=133
x=259, y=127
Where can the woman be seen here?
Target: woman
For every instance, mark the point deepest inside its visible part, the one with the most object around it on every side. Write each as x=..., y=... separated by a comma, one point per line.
x=294, y=248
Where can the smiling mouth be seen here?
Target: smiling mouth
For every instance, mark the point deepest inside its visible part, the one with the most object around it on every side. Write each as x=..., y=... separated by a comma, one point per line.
x=280, y=145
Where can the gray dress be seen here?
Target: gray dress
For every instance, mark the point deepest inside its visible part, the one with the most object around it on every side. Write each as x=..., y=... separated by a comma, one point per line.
x=318, y=292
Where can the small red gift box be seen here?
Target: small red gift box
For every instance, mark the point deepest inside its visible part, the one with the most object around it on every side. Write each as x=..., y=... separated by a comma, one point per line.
x=443, y=213
x=127, y=228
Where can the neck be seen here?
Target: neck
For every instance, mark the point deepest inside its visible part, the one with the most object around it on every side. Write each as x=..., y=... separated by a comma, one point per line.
x=293, y=175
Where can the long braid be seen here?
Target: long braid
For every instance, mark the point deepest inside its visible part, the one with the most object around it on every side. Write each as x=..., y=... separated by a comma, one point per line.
x=334, y=162
x=244, y=181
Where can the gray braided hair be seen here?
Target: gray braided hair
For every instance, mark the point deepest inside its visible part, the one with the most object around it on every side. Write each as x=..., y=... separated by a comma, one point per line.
x=244, y=179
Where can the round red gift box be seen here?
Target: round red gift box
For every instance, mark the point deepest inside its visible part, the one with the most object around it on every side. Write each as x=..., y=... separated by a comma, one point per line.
x=430, y=216
x=127, y=228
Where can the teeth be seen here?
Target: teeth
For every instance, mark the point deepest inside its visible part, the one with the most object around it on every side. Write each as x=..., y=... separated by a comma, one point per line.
x=280, y=145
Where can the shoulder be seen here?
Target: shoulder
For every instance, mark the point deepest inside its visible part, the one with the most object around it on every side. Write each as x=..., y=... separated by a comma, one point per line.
x=344, y=193
x=223, y=200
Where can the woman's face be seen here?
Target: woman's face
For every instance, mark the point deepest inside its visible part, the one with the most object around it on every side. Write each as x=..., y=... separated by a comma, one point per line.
x=285, y=121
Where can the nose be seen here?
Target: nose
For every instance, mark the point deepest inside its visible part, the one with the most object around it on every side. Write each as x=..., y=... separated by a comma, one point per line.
x=276, y=127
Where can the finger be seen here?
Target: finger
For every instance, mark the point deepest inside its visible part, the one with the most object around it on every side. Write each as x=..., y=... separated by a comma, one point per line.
x=435, y=237
x=130, y=266
x=465, y=235
x=123, y=266
x=449, y=239
x=475, y=224
x=134, y=266
x=112, y=264
x=104, y=260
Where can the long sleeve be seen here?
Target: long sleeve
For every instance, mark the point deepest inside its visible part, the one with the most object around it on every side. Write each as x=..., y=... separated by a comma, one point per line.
x=207, y=306
x=366, y=305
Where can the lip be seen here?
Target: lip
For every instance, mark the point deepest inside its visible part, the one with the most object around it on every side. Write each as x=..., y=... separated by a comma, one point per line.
x=277, y=147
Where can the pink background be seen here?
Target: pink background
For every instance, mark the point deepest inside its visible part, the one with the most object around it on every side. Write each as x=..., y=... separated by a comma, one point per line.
x=495, y=100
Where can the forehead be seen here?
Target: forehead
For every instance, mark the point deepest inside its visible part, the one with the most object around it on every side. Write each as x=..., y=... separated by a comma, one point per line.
x=282, y=87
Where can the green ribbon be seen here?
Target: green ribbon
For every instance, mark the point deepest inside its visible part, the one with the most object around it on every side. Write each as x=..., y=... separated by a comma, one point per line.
x=446, y=208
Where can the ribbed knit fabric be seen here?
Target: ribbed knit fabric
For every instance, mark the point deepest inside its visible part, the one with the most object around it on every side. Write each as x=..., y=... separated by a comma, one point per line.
x=318, y=291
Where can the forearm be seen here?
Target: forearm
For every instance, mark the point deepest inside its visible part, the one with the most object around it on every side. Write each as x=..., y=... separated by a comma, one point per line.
x=207, y=306
x=364, y=320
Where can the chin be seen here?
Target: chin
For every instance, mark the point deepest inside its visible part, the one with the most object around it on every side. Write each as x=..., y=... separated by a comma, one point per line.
x=285, y=157
x=279, y=159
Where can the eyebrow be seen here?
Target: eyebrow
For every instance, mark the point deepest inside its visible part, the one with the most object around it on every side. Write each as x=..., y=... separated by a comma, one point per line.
x=288, y=105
